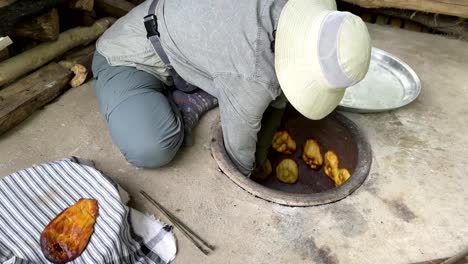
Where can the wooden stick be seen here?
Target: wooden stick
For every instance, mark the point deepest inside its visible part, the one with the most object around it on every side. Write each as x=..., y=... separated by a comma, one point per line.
x=448, y=7
x=21, y=99
x=45, y=27
x=43, y=53
x=115, y=8
x=182, y=227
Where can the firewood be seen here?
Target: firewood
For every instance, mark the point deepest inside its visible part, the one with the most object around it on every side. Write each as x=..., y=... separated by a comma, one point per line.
x=4, y=3
x=4, y=54
x=115, y=8
x=21, y=99
x=5, y=42
x=86, y=5
x=448, y=7
x=71, y=18
x=45, y=52
x=12, y=14
x=45, y=27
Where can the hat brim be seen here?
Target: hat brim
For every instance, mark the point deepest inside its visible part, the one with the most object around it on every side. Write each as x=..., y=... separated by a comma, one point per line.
x=296, y=62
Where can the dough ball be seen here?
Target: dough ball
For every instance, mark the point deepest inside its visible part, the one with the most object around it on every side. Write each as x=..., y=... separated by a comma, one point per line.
x=287, y=171
x=283, y=142
x=332, y=170
x=312, y=155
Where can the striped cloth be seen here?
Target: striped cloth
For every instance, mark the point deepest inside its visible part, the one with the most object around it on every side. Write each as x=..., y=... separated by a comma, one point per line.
x=31, y=198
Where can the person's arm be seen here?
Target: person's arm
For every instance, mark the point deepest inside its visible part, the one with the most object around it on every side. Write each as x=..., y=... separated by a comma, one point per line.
x=242, y=104
x=271, y=121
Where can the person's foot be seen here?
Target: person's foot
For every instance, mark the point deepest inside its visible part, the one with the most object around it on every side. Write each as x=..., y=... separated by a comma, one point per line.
x=192, y=106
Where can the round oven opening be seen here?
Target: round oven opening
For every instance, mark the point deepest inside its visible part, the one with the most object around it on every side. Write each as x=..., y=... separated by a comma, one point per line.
x=335, y=133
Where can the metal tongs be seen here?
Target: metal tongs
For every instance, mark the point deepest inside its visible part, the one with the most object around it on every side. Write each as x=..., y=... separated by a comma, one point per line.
x=199, y=242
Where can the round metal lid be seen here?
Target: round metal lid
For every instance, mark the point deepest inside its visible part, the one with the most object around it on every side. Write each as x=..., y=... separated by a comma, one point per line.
x=389, y=84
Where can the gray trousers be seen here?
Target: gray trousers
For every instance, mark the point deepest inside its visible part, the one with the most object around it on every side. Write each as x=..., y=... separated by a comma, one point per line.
x=143, y=122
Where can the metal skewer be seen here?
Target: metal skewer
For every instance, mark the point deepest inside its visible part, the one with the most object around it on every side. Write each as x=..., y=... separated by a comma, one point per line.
x=182, y=227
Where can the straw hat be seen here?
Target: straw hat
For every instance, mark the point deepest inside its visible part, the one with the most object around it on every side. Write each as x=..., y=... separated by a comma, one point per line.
x=318, y=53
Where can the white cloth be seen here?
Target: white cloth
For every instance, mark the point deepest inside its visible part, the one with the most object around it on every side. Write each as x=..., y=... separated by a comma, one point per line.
x=31, y=198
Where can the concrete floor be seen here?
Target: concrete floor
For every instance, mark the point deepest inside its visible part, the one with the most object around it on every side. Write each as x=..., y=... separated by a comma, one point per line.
x=411, y=208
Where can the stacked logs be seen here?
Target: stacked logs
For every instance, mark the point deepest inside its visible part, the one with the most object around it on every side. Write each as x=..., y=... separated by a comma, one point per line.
x=46, y=47
x=448, y=17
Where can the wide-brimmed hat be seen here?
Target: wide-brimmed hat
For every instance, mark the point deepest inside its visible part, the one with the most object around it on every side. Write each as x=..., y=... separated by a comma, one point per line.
x=319, y=52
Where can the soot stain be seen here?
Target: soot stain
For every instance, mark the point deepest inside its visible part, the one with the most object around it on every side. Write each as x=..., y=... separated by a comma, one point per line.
x=322, y=255
x=372, y=183
x=400, y=210
x=350, y=221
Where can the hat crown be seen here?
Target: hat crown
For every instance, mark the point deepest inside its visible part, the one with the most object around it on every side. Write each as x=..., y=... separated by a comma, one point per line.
x=354, y=48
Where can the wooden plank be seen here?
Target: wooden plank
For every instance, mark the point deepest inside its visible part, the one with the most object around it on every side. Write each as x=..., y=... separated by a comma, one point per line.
x=45, y=27
x=115, y=8
x=21, y=99
x=448, y=7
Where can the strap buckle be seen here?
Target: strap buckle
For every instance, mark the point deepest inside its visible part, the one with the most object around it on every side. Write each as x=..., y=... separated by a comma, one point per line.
x=151, y=25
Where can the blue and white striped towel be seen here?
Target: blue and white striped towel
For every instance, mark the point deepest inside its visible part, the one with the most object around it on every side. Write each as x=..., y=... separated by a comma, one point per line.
x=31, y=198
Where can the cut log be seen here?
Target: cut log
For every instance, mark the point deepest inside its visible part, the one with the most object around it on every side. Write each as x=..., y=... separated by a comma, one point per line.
x=115, y=8
x=45, y=27
x=43, y=53
x=4, y=54
x=5, y=42
x=12, y=14
x=21, y=99
x=86, y=5
x=448, y=7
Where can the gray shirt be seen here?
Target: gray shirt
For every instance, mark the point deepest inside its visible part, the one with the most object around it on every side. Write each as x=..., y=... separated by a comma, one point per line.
x=221, y=46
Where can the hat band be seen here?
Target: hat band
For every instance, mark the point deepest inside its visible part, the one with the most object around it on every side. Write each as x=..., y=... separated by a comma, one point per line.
x=328, y=50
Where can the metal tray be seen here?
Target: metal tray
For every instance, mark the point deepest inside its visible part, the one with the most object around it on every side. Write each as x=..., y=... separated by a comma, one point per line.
x=389, y=84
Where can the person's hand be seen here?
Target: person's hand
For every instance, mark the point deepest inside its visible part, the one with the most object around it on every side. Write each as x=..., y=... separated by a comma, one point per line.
x=262, y=171
x=283, y=142
x=312, y=155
